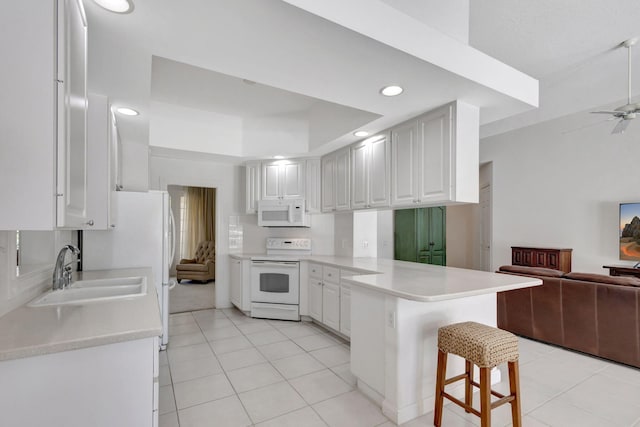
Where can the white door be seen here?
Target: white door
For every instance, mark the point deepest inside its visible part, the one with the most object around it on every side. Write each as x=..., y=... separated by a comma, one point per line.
x=328, y=165
x=485, y=228
x=404, y=185
x=72, y=117
x=345, y=310
x=359, y=175
x=434, y=168
x=270, y=181
x=331, y=305
x=292, y=180
x=236, y=282
x=315, y=299
x=342, y=194
x=378, y=187
x=312, y=185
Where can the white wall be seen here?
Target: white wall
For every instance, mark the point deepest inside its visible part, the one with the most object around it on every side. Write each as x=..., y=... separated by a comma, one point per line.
x=460, y=231
x=269, y=135
x=385, y=234
x=135, y=166
x=343, y=231
x=190, y=129
x=554, y=186
x=225, y=177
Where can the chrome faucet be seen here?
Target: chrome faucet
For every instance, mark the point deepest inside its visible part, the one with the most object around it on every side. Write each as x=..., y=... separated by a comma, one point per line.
x=62, y=273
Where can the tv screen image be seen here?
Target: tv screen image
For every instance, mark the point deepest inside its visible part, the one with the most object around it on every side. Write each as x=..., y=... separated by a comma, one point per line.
x=630, y=231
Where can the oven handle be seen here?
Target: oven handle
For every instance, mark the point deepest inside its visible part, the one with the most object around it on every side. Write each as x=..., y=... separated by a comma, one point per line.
x=285, y=264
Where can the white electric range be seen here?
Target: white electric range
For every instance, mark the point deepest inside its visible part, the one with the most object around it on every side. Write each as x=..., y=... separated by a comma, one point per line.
x=275, y=279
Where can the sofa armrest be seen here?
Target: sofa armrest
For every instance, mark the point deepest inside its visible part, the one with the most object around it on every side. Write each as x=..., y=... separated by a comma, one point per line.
x=187, y=261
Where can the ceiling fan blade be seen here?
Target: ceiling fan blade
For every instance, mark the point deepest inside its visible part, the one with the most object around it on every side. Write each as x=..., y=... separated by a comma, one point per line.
x=621, y=126
x=606, y=112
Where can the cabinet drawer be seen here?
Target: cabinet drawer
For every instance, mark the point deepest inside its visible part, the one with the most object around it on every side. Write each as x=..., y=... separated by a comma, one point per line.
x=315, y=270
x=331, y=274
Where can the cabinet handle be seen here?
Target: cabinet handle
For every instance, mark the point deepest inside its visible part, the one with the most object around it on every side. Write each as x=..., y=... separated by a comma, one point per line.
x=90, y=223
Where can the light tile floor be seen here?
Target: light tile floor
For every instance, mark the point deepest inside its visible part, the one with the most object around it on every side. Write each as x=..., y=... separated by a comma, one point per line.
x=225, y=369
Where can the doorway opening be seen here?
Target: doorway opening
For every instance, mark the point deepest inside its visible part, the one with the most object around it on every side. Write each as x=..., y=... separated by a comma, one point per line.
x=194, y=264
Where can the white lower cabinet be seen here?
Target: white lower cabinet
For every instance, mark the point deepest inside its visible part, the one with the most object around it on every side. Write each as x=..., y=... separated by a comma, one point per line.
x=103, y=386
x=345, y=309
x=331, y=305
x=329, y=299
x=240, y=277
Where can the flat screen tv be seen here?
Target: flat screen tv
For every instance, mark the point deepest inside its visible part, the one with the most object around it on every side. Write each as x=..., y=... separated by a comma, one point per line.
x=630, y=232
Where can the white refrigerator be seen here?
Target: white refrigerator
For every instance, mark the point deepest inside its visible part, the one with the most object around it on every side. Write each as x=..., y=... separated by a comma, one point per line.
x=142, y=236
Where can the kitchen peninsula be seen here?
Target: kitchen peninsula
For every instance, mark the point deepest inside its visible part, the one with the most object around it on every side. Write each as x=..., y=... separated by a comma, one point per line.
x=395, y=316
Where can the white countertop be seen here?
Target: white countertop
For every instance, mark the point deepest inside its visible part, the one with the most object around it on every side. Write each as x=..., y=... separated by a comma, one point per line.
x=416, y=281
x=32, y=331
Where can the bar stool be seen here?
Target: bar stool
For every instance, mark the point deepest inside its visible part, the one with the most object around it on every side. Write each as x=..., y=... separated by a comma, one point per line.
x=485, y=347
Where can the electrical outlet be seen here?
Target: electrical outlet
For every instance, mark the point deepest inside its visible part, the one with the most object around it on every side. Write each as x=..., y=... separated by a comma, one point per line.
x=391, y=319
x=365, y=244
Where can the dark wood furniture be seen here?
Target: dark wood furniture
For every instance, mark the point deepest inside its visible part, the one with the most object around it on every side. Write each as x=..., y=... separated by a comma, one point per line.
x=554, y=258
x=622, y=270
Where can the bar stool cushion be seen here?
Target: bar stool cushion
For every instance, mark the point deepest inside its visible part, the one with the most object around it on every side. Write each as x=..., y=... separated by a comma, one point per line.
x=480, y=344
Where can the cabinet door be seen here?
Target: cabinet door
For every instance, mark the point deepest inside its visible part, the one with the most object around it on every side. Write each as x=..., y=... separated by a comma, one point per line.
x=404, y=184
x=434, y=156
x=236, y=282
x=328, y=164
x=345, y=310
x=72, y=116
x=404, y=236
x=315, y=299
x=312, y=185
x=252, y=187
x=270, y=181
x=437, y=235
x=331, y=305
x=292, y=180
x=99, y=158
x=378, y=187
x=359, y=175
x=342, y=194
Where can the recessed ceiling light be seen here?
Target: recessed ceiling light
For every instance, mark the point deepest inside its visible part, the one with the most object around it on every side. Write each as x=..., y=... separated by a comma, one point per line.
x=127, y=111
x=278, y=157
x=391, y=90
x=117, y=6
x=361, y=133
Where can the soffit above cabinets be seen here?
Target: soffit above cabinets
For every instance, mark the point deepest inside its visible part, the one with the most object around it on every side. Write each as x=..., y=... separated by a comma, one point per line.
x=330, y=59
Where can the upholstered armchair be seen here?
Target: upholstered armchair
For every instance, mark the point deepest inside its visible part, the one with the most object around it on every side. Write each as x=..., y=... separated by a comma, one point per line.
x=202, y=267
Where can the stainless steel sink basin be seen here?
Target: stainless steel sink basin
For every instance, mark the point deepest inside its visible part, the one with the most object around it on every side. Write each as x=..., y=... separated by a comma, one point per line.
x=99, y=290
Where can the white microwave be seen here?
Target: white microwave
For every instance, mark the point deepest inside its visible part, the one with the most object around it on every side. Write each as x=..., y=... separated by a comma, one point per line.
x=282, y=213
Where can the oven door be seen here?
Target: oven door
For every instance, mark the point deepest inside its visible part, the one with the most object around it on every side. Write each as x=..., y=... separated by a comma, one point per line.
x=275, y=282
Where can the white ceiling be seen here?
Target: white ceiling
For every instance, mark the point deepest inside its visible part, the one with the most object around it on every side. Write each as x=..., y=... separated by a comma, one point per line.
x=195, y=54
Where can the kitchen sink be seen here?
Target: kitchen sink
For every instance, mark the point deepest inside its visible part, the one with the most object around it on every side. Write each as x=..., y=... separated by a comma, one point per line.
x=88, y=291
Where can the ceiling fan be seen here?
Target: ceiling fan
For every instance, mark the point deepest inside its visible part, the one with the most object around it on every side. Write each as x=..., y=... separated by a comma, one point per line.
x=627, y=112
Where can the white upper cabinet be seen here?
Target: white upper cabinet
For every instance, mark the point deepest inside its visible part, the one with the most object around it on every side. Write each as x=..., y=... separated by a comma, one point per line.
x=434, y=158
x=370, y=173
x=44, y=115
x=328, y=167
x=252, y=194
x=102, y=164
x=336, y=168
x=283, y=179
x=342, y=193
x=312, y=183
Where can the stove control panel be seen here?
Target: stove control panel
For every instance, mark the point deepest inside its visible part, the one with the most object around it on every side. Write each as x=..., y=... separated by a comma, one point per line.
x=288, y=244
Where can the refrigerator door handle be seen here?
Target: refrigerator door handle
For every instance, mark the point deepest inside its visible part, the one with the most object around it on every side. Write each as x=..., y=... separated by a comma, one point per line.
x=172, y=227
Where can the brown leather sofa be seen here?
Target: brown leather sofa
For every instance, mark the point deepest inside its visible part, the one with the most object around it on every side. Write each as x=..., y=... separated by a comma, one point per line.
x=202, y=267
x=591, y=313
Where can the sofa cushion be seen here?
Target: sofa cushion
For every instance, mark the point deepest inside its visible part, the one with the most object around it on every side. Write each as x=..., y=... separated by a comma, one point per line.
x=533, y=271
x=601, y=278
x=192, y=267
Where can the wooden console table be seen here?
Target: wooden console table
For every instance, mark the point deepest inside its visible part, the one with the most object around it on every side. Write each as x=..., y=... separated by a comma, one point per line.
x=622, y=270
x=557, y=259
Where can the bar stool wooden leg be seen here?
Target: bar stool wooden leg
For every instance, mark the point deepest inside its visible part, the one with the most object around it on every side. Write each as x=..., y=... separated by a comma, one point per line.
x=468, y=387
x=441, y=373
x=514, y=390
x=485, y=397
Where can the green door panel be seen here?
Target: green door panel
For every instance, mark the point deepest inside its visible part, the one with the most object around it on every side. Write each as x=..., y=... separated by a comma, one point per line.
x=404, y=239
